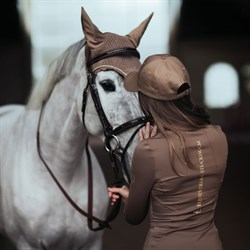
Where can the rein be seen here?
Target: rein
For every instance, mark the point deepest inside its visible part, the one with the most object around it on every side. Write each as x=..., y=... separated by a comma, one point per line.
x=88, y=214
x=116, y=154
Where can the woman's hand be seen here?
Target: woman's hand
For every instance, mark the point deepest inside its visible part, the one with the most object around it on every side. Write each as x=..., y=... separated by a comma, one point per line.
x=113, y=194
x=148, y=133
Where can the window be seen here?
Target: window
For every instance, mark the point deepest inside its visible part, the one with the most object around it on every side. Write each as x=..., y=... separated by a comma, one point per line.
x=221, y=85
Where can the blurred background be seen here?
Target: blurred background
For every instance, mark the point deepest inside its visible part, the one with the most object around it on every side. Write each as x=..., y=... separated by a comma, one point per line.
x=211, y=37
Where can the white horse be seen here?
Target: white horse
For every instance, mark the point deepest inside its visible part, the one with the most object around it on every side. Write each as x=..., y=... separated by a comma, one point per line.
x=34, y=213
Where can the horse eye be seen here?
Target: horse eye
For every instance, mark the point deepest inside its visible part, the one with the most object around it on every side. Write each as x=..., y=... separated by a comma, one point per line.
x=108, y=85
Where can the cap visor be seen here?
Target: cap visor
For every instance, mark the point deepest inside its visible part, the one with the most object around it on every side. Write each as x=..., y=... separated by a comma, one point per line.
x=131, y=82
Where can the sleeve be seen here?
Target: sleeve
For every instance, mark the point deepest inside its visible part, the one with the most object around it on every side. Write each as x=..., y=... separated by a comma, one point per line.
x=142, y=180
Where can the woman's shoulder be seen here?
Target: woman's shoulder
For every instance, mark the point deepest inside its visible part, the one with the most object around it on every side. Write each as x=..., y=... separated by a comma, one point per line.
x=157, y=142
x=215, y=130
x=216, y=134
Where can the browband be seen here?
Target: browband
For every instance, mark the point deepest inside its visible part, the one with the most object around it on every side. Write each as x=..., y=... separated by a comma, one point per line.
x=117, y=52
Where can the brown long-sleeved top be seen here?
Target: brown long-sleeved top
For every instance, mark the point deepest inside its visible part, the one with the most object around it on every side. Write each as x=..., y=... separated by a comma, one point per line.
x=181, y=205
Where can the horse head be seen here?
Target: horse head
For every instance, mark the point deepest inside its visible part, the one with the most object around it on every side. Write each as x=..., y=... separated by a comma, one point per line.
x=109, y=58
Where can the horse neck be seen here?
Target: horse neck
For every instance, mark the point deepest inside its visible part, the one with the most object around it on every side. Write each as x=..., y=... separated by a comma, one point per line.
x=62, y=134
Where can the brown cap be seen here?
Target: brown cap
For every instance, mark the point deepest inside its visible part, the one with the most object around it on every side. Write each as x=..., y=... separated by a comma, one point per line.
x=162, y=77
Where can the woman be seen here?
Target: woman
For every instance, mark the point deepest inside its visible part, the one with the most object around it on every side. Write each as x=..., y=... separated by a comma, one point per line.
x=176, y=173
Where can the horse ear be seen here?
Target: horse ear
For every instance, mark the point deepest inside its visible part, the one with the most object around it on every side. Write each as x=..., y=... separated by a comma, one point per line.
x=92, y=34
x=136, y=34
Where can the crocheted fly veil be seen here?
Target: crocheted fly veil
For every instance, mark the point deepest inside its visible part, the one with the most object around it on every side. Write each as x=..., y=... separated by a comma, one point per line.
x=99, y=43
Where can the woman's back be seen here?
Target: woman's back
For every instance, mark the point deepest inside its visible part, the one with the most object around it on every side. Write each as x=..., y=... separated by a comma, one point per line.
x=183, y=204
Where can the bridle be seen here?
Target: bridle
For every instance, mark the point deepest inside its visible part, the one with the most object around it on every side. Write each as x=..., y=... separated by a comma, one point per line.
x=116, y=154
x=109, y=132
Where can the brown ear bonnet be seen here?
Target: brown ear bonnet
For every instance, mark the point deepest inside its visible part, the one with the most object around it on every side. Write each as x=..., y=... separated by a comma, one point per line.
x=99, y=43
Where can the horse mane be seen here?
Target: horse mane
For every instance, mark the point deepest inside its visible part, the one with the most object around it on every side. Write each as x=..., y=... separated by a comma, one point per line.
x=57, y=70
